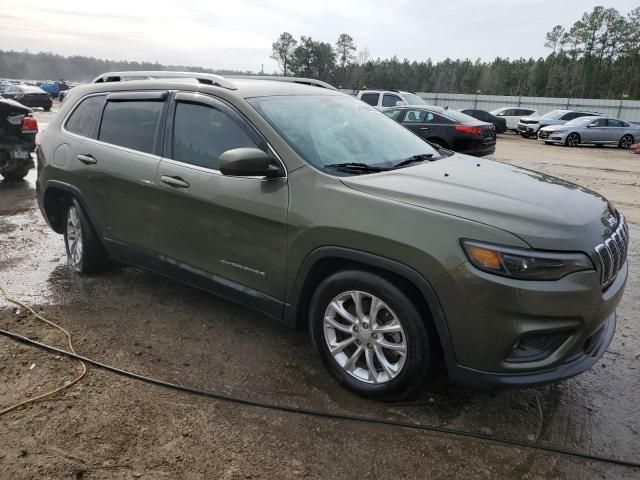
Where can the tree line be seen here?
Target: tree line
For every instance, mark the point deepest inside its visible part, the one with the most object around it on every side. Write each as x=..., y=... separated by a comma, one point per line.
x=49, y=66
x=597, y=57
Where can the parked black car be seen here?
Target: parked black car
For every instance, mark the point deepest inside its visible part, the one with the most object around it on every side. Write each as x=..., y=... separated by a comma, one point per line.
x=29, y=96
x=448, y=128
x=484, y=116
x=17, y=139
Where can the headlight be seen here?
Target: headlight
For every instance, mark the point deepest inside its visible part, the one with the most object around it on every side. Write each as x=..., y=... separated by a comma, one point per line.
x=524, y=264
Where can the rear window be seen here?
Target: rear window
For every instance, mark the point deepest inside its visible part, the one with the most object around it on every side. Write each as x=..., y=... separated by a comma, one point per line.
x=371, y=98
x=131, y=124
x=82, y=117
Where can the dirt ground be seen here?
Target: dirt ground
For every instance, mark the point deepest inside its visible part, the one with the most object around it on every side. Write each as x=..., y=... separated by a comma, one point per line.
x=110, y=427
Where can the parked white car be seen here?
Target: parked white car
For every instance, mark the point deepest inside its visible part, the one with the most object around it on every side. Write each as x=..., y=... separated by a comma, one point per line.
x=512, y=115
x=389, y=98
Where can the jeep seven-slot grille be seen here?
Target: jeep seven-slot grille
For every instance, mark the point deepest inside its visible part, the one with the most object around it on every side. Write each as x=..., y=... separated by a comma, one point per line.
x=613, y=253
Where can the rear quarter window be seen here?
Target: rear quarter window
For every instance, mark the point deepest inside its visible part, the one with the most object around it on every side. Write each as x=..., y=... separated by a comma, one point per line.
x=84, y=114
x=131, y=124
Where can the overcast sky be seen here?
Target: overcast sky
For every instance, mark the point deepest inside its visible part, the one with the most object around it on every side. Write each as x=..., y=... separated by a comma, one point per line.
x=237, y=34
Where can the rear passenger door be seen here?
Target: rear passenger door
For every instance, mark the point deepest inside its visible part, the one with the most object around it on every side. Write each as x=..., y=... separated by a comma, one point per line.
x=428, y=125
x=116, y=168
x=216, y=226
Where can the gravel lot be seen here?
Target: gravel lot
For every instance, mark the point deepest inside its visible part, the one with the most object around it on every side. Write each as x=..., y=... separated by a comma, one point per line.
x=111, y=427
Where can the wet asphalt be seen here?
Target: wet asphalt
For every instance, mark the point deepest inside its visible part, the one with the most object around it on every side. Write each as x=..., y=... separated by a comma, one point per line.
x=146, y=323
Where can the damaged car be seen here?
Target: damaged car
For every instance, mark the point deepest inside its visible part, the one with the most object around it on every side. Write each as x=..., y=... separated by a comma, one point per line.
x=18, y=131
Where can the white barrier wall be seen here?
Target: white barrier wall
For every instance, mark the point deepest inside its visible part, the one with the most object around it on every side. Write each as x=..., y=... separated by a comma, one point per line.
x=625, y=109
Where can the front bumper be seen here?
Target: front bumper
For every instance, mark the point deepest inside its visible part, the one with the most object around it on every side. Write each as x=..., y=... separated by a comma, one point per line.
x=528, y=128
x=551, y=136
x=489, y=317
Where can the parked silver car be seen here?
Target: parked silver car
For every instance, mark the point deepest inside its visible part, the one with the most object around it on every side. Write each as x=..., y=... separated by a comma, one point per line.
x=592, y=130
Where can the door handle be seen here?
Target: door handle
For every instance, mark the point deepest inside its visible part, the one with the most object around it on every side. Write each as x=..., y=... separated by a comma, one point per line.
x=87, y=159
x=174, y=181
x=425, y=128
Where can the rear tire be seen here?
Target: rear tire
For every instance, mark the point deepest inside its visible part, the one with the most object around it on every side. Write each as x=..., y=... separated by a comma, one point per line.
x=16, y=175
x=370, y=335
x=572, y=140
x=625, y=142
x=85, y=253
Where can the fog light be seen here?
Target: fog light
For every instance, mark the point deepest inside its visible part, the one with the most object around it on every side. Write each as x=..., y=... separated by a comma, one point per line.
x=536, y=347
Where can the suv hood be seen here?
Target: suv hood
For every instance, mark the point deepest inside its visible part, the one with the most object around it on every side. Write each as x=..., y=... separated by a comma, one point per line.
x=544, y=211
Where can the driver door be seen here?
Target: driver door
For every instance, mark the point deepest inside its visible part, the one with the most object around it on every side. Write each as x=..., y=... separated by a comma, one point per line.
x=231, y=230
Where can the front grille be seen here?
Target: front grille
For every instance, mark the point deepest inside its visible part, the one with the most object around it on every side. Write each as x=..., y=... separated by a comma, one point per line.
x=529, y=122
x=543, y=134
x=613, y=253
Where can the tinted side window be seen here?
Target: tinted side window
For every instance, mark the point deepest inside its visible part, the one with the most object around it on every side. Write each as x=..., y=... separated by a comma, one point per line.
x=394, y=114
x=202, y=133
x=616, y=123
x=82, y=117
x=418, y=116
x=389, y=100
x=132, y=124
x=370, y=98
x=600, y=122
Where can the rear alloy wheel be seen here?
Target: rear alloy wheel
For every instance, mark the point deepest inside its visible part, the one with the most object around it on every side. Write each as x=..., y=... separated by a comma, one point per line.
x=370, y=335
x=626, y=142
x=85, y=253
x=573, y=140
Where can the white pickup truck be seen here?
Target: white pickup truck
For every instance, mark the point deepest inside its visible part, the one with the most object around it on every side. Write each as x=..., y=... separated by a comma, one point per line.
x=389, y=98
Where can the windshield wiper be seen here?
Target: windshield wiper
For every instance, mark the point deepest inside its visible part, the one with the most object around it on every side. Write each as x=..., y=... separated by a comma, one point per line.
x=414, y=159
x=356, y=167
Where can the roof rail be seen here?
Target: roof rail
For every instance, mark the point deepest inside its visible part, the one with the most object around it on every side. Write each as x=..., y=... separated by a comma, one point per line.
x=206, y=78
x=300, y=80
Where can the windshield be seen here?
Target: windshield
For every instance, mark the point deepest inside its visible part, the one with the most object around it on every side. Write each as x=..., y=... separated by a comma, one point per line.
x=328, y=130
x=554, y=114
x=413, y=99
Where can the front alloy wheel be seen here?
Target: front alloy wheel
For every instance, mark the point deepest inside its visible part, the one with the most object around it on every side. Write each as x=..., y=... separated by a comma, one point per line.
x=365, y=337
x=573, y=139
x=372, y=333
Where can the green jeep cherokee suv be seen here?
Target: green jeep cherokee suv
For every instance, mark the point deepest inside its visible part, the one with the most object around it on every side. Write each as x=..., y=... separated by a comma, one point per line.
x=316, y=209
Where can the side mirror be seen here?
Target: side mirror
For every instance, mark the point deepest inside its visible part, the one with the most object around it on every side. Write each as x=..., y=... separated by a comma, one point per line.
x=591, y=125
x=249, y=162
x=400, y=103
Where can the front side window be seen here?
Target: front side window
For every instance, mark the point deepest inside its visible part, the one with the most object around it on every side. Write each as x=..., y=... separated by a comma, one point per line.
x=389, y=100
x=131, y=124
x=331, y=129
x=371, y=98
x=82, y=117
x=600, y=122
x=203, y=133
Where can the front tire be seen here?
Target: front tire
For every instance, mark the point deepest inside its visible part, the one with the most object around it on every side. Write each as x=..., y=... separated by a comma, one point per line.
x=85, y=253
x=572, y=140
x=370, y=335
x=625, y=142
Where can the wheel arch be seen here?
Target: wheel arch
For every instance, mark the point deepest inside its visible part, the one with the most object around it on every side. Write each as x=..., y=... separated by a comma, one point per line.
x=326, y=260
x=55, y=197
